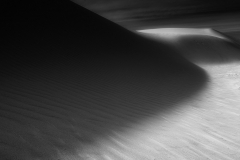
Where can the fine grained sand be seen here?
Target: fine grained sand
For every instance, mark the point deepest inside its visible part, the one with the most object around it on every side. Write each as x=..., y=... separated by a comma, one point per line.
x=73, y=89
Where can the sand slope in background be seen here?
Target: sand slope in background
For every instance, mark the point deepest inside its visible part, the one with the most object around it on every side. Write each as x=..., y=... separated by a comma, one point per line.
x=201, y=46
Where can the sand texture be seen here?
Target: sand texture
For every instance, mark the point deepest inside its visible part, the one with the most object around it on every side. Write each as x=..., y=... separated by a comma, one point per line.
x=75, y=86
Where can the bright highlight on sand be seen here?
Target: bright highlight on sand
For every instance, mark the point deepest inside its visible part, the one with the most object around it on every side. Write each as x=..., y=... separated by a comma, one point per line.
x=174, y=33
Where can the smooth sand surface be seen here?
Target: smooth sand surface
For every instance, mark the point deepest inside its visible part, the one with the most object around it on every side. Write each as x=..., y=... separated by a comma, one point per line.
x=76, y=86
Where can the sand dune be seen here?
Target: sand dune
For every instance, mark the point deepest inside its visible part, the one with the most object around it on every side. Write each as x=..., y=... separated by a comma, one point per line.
x=76, y=86
x=201, y=46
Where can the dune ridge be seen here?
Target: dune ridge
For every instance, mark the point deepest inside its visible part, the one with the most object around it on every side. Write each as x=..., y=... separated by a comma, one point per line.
x=69, y=79
x=76, y=86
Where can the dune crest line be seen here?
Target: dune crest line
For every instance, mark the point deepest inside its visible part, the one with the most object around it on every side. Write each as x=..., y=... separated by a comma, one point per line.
x=71, y=77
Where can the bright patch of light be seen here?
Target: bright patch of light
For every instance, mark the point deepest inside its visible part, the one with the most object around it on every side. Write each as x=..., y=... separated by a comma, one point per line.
x=174, y=33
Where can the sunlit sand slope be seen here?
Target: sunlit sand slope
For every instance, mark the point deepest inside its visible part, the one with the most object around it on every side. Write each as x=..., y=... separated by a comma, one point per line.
x=71, y=80
x=206, y=127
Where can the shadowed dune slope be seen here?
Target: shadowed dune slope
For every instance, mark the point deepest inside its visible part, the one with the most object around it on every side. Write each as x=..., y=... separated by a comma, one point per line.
x=71, y=77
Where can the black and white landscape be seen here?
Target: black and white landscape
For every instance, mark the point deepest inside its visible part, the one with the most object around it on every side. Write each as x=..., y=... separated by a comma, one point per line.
x=77, y=86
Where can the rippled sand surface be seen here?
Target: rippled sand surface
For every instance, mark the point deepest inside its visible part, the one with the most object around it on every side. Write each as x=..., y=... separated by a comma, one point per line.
x=73, y=89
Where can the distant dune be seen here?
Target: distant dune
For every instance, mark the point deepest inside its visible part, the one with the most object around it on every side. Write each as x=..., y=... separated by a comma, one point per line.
x=71, y=79
x=199, y=45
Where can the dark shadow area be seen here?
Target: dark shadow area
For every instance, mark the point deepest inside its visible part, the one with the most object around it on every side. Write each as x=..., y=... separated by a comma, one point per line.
x=69, y=77
x=234, y=36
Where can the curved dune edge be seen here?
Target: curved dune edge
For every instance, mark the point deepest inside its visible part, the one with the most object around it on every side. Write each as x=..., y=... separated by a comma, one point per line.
x=138, y=99
x=206, y=127
x=69, y=84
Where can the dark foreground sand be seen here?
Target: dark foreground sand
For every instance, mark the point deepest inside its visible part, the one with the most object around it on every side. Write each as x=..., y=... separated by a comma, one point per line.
x=76, y=86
